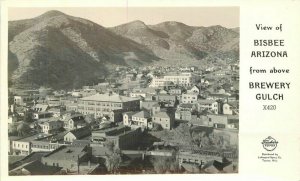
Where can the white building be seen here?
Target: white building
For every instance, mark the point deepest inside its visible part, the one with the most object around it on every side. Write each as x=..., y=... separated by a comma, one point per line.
x=227, y=109
x=141, y=119
x=51, y=125
x=210, y=105
x=184, y=79
x=189, y=98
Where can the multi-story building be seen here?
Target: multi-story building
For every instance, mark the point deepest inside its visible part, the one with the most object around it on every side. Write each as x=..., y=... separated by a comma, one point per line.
x=164, y=119
x=166, y=99
x=189, y=98
x=210, y=105
x=51, y=125
x=122, y=137
x=102, y=104
x=141, y=119
x=184, y=79
x=23, y=100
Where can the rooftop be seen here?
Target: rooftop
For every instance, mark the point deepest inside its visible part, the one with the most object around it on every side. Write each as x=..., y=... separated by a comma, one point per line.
x=142, y=114
x=69, y=152
x=205, y=101
x=162, y=115
x=81, y=132
x=108, y=98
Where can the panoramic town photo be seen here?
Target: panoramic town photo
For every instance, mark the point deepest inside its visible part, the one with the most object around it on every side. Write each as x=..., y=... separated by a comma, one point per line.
x=113, y=90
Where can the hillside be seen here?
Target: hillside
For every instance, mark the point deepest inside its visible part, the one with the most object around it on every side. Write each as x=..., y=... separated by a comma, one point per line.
x=54, y=49
x=61, y=51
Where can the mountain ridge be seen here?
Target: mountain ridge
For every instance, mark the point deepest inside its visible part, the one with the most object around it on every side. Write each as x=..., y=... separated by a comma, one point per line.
x=53, y=48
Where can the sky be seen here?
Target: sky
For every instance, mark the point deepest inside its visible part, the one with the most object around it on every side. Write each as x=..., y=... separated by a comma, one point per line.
x=113, y=16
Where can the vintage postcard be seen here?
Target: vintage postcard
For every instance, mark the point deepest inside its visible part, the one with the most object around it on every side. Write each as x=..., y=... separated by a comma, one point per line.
x=198, y=90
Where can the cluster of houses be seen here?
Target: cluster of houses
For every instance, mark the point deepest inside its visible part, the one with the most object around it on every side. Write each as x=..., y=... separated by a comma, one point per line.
x=72, y=127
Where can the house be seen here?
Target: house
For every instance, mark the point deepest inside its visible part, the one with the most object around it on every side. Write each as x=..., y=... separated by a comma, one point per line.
x=56, y=112
x=127, y=118
x=40, y=107
x=224, y=121
x=73, y=121
x=166, y=120
x=51, y=125
x=213, y=96
x=210, y=105
x=116, y=115
x=175, y=91
x=147, y=105
x=155, y=109
x=141, y=119
x=187, y=106
x=182, y=114
x=40, y=115
x=23, y=99
x=77, y=134
x=227, y=109
x=189, y=98
x=194, y=90
x=168, y=100
x=68, y=157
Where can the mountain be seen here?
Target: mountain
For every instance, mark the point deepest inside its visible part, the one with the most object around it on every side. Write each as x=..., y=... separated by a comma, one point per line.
x=62, y=51
x=177, y=42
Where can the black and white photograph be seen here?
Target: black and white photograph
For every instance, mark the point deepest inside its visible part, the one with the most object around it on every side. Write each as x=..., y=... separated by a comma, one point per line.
x=123, y=90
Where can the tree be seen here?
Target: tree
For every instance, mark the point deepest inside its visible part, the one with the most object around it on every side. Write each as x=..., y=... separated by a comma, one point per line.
x=165, y=164
x=157, y=127
x=113, y=161
x=23, y=129
x=90, y=119
x=28, y=117
x=12, y=129
x=184, y=133
x=113, y=158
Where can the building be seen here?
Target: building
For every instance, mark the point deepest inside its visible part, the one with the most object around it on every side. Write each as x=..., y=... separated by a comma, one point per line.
x=67, y=157
x=141, y=119
x=23, y=100
x=40, y=107
x=23, y=146
x=127, y=118
x=227, y=109
x=189, y=98
x=210, y=105
x=34, y=168
x=183, y=114
x=123, y=137
x=74, y=121
x=45, y=145
x=168, y=100
x=77, y=134
x=147, y=105
x=51, y=126
x=102, y=104
x=183, y=79
x=224, y=121
x=41, y=115
x=194, y=90
x=165, y=119
x=175, y=91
